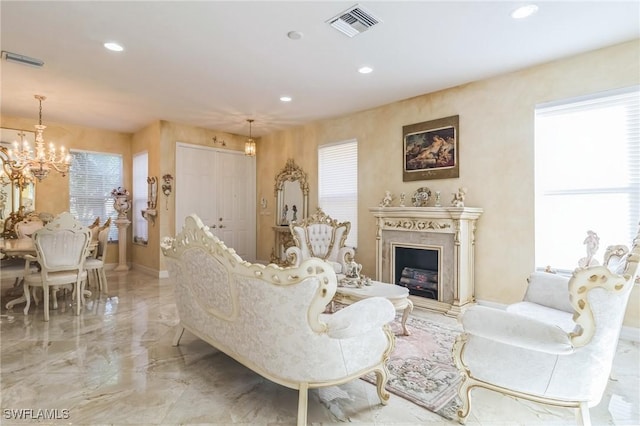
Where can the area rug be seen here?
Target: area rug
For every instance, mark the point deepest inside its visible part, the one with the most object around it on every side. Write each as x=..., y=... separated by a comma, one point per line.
x=421, y=366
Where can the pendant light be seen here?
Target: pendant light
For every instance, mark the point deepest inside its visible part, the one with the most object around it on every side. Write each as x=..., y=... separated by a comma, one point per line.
x=250, y=144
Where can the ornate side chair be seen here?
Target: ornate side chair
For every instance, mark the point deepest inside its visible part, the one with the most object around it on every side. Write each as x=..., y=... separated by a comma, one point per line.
x=14, y=268
x=61, y=250
x=323, y=237
x=95, y=264
x=555, y=347
x=25, y=228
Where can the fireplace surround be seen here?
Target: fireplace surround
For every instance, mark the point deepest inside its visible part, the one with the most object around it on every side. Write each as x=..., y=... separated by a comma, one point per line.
x=448, y=231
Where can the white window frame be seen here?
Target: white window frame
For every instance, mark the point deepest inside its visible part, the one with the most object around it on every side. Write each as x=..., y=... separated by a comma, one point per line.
x=338, y=184
x=140, y=193
x=88, y=180
x=587, y=172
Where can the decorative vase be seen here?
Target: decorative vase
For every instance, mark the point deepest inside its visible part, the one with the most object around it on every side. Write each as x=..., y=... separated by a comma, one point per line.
x=122, y=204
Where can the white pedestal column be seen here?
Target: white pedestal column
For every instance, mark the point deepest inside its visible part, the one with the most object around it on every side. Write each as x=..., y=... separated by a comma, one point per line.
x=122, y=225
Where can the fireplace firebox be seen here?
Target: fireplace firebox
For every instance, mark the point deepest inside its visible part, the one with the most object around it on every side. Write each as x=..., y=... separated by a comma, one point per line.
x=417, y=269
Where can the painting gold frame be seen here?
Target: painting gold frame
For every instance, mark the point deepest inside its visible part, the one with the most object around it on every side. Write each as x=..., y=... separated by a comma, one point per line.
x=431, y=149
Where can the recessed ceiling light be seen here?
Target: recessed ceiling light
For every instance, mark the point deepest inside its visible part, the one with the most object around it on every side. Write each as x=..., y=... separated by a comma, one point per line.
x=294, y=35
x=365, y=70
x=115, y=47
x=285, y=98
x=524, y=11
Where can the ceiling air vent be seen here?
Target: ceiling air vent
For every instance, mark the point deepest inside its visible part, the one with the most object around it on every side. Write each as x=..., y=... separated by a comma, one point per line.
x=21, y=59
x=353, y=21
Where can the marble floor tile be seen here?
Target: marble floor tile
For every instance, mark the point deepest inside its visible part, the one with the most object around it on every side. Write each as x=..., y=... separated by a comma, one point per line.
x=114, y=365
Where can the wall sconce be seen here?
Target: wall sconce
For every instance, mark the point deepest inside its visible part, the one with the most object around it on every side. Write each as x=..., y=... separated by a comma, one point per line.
x=150, y=212
x=166, y=187
x=218, y=142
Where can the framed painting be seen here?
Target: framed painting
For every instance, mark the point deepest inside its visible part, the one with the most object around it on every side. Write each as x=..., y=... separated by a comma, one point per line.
x=431, y=149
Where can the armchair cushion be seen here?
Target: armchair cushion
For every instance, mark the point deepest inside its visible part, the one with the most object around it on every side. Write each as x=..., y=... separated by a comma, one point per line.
x=549, y=290
x=516, y=329
x=559, y=318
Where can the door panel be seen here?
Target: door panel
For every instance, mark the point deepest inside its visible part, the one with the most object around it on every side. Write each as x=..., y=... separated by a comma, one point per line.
x=219, y=186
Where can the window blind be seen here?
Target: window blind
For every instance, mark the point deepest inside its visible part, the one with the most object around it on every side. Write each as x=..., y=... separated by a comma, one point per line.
x=140, y=193
x=338, y=184
x=92, y=177
x=587, y=175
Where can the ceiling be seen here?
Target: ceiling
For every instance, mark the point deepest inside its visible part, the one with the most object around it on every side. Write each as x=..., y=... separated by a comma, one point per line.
x=214, y=64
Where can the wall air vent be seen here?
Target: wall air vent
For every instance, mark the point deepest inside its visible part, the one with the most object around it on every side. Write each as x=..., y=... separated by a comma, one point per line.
x=21, y=59
x=353, y=21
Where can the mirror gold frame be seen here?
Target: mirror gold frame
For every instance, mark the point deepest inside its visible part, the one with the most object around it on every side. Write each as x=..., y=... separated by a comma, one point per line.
x=291, y=191
x=17, y=191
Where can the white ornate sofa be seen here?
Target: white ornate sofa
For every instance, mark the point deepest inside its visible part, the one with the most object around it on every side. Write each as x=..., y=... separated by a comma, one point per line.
x=271, y=318
x=556, y=346
x=323, y=237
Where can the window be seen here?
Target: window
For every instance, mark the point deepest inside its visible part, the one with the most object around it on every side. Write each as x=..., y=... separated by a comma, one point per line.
x=140, y=193
x=587, y=175
x=338, y=184
x=92, y=177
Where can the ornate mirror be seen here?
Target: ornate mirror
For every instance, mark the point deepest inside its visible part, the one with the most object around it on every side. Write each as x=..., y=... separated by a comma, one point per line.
x=292, y=203
x=16, y=190
x=292, y=194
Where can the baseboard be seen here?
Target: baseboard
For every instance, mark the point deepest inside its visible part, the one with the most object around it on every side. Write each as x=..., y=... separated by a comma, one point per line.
x=631, y=334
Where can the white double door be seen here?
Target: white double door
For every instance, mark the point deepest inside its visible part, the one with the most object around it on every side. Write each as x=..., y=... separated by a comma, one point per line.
x=220, y=187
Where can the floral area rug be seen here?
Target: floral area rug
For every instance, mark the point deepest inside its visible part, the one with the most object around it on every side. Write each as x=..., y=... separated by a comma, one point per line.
x=421, y=366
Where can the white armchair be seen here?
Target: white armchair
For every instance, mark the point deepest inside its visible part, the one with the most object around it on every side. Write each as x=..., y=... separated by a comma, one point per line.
x=323, y=237
x=556, y=346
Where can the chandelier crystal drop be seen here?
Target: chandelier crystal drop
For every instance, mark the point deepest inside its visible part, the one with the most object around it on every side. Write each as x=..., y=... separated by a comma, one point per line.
x=250, y=144
x=39, y=163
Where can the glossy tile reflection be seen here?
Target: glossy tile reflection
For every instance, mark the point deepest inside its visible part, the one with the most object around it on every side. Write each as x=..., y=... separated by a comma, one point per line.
x=114, y=364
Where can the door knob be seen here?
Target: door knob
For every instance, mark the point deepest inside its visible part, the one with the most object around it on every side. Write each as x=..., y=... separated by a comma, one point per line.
x=221, y=226
x=212, y=226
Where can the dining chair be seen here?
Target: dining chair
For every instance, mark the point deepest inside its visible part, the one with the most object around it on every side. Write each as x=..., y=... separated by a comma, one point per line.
x=61, y=250
x=25, y=228
x=95, y=265
x=14, y=268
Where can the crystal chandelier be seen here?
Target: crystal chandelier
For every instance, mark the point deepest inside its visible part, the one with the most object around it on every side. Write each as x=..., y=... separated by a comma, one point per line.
x=23, y=160
x=250, y=144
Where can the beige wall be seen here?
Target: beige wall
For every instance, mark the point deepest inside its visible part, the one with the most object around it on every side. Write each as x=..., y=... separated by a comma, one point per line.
x=496, y=159
x=146, y=139
x=52, y=194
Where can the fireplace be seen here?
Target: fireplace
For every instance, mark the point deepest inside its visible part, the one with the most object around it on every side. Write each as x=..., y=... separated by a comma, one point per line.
x=417, y=268
x=432, y=248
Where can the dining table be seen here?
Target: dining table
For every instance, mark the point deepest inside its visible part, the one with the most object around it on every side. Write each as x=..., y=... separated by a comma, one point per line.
x=19, y=248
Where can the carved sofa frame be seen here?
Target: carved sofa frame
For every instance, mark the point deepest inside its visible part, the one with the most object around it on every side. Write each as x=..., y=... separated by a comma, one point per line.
x=271, y=319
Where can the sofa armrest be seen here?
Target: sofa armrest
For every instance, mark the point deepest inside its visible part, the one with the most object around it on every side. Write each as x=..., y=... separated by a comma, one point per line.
x=294, y=255
x=516, y=330
x=345, y=254
x=360, y=318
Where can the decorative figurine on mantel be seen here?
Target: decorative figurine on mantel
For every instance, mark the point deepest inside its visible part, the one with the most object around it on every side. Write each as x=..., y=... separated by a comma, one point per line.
x=386, y=201
x=402, y=196
x=458, y=197
x=437, y=202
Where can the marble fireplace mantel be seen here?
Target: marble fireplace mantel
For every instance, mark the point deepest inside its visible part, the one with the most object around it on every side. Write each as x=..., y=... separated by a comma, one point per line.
x=452, y=228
